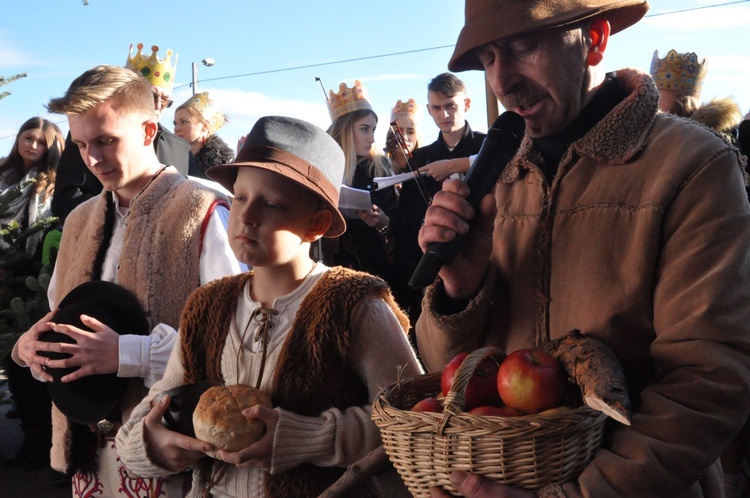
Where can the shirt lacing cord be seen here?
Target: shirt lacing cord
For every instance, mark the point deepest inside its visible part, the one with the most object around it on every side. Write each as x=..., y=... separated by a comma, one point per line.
x=263, y=318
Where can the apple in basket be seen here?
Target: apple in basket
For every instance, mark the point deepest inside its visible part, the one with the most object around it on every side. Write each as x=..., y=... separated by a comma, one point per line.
x=481, y=389
x=428, y=405
x=495, y=411
x=531, y=381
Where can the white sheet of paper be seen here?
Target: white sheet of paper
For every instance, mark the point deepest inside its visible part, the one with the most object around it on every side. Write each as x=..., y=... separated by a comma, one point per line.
x=389, y=181
x=352, y=200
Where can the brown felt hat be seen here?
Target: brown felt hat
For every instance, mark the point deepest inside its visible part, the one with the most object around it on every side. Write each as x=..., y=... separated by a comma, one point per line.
x=490, y=20
x=297, y=150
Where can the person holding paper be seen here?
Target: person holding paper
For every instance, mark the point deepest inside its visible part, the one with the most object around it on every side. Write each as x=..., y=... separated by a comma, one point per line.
x=366, y=245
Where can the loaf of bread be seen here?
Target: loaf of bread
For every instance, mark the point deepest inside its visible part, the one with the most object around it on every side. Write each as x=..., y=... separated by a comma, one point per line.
x=218, y=417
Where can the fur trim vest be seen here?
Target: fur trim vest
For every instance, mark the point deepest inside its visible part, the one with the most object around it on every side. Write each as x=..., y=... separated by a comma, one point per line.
x=312, y=373
x=216, y=151
x=159, y=264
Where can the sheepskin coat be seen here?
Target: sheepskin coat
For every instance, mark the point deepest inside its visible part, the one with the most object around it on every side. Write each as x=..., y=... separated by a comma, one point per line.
x=642, y=240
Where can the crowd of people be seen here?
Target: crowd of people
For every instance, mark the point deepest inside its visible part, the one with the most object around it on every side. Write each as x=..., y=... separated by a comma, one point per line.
x=624, y=215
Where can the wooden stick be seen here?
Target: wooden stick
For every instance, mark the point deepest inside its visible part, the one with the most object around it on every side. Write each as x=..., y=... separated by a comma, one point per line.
x=357, y=473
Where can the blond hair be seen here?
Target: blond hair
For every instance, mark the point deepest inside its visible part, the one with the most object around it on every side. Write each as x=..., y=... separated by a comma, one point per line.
x=342, y=130
x=105, y=83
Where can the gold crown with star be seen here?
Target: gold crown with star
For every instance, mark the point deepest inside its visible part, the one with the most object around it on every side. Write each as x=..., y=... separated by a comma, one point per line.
x=157, y=71
x=681, y=73
x=347, y=100
x=208, y=109
x=406, y=109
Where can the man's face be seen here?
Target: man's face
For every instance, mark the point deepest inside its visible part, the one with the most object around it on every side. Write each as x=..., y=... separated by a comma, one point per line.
x=448, y=112
x=541, y=76
x=111, y=141
x=162, y=100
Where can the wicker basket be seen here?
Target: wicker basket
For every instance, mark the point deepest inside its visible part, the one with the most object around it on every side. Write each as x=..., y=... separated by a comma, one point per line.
x=526, y=452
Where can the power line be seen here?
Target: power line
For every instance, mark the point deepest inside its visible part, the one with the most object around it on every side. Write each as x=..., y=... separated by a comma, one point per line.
x=325, y=63
x=405, y=52
x=393, y=54
x=697, y=8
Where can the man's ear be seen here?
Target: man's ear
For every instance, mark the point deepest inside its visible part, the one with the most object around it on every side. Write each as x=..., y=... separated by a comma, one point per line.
x=467, y=104
x=150, y=129
x=320, y=224
x=599, y=36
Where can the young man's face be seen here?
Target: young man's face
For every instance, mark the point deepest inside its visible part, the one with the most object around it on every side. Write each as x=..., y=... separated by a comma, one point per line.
x=112, y=142
x=271, y=218
x=448, y=112
x=541, y=76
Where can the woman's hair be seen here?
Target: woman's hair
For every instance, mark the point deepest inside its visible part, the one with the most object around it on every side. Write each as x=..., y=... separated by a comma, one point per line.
x=685, y=105
x=103, y=84
x=342, y=130
x=47, y=164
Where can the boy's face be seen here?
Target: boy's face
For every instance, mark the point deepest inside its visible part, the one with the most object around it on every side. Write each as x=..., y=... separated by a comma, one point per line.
x=114, y=145
x=272, y=219
x=448, y=112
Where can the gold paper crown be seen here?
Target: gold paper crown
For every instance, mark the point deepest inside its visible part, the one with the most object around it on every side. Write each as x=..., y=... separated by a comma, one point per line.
x=347, y=100
x=159, y=72
x=208, y=109
x=406, y=109
x=681, y=73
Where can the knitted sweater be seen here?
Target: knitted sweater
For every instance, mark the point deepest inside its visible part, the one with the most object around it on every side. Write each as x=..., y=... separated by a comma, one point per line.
x=337, y=340
x=146, y=268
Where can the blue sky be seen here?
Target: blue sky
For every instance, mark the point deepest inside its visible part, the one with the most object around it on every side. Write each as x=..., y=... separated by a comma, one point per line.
x=55, y=41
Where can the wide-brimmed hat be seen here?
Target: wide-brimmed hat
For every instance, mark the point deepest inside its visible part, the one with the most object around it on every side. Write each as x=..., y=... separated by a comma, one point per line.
x=91, y=399
x=490, y=20
x=297, y=150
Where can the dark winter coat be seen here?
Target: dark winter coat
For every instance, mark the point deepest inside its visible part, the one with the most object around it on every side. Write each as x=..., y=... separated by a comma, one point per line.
x=216, y=151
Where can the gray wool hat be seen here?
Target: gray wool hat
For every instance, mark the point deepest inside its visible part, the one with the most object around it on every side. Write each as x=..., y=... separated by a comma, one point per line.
x=297, y=150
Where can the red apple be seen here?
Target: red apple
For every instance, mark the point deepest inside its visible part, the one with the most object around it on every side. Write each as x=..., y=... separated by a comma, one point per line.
x=531, y=381
x=482, y=387
x=428, y=405
x=495, y=411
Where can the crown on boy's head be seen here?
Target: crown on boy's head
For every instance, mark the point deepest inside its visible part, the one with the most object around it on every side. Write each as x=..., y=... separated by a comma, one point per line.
x=207, y=108
x=157, y=71
x=406, y=109
x=347, y=100
x=681, y=73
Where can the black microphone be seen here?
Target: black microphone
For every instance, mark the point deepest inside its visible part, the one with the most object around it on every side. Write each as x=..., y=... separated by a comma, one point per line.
x=499, y=146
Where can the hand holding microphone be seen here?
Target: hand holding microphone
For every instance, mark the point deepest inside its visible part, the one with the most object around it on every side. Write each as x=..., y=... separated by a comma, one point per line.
x=498, y=148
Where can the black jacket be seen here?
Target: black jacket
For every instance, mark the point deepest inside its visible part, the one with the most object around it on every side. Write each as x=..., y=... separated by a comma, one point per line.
x=216, y=151
x=411, y=210
x=75, y=183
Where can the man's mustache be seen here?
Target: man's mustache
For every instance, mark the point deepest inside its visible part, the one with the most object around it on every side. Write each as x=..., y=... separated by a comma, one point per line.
x=524, y=96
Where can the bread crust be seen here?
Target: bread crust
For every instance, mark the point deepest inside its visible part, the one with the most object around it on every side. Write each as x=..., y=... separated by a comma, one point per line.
x=218, y=417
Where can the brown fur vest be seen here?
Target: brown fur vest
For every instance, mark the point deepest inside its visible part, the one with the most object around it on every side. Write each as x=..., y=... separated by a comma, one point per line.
x=159, y=264
x=313, y=372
